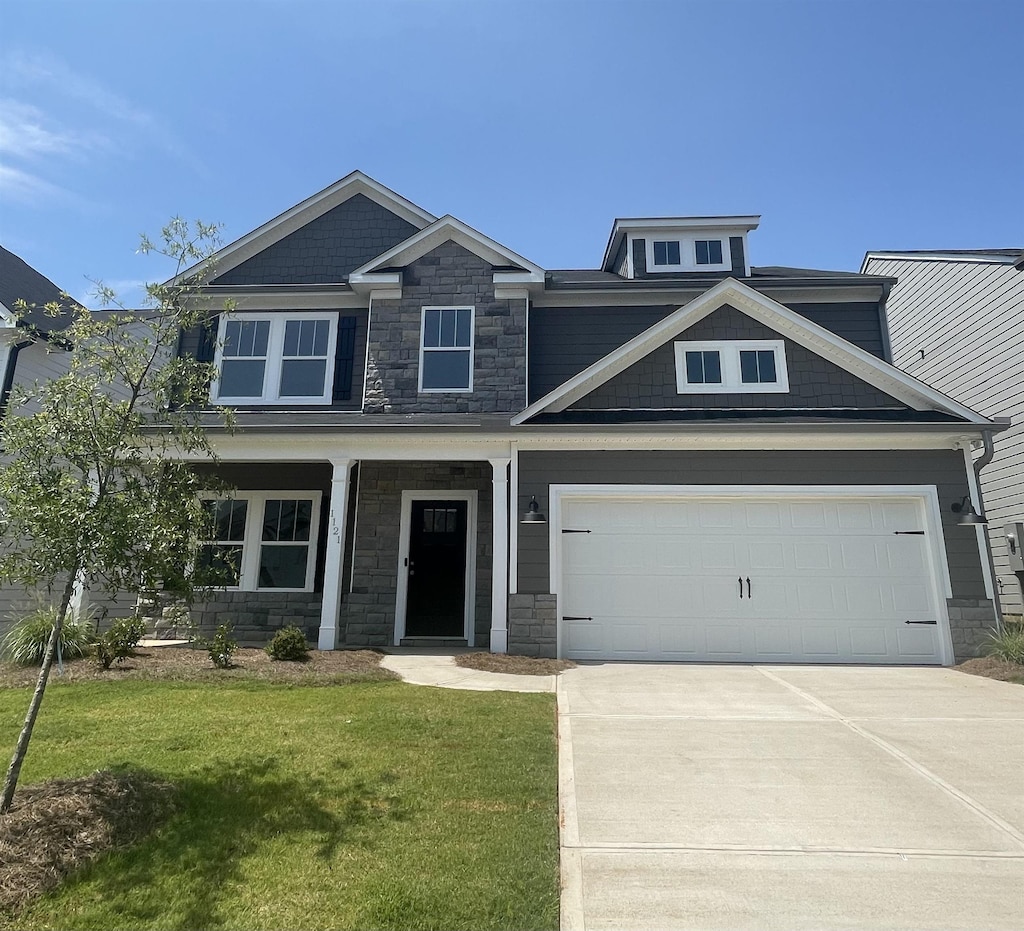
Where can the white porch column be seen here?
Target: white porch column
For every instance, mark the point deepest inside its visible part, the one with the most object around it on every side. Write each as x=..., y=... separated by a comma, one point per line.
x=499, y=551
x=334, y=554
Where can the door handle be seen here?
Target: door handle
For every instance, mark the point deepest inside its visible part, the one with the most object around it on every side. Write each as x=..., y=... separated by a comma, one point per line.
x=740, y=580
x=748, y=586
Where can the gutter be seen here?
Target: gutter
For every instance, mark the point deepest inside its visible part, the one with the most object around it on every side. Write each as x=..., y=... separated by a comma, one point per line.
x=983, y=460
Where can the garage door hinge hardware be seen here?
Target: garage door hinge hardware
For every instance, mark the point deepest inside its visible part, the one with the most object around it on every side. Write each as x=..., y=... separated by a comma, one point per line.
x=932, y=623
x=573, y=617
x=909, y=533
x=576, y=531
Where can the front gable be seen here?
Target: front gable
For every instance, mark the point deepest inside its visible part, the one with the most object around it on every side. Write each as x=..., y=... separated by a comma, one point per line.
x=814, y=382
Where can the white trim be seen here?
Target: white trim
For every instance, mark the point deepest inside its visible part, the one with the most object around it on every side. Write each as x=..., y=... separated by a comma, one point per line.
x=926, y=494
x=305, y=212
x=402, y=591
x=252, y=539
x=499, y=554
x=471, y=349
x=671, y=291
x=7, y=318
x=817, y=339
x=441, y=231
x=688, y=254
x=990, y=258
x=729, y=358
x=334, y=555
x=274, y=361
x=984, y=552
x=513, y=517
x=5, y=358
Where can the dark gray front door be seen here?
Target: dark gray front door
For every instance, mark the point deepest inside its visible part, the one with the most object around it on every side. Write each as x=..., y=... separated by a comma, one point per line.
x=436, y=599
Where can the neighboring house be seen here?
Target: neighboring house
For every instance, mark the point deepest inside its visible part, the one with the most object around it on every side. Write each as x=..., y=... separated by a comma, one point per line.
x=675, y=456
x=30, y=352
x=956, y=321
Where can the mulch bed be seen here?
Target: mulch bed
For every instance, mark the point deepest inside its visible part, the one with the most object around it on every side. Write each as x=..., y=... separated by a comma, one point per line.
x=188, y=664
x=516, y=665
x=993, y=668
x=57, y=827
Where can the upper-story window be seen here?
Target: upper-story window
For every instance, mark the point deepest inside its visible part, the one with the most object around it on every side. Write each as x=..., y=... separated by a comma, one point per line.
x=446, y=349
x=276, y=359
x=742, y=366
x=686, y=253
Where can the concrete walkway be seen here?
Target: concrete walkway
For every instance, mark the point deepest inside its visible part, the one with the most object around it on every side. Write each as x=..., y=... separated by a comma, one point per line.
x=735, y=797
x=439, y=669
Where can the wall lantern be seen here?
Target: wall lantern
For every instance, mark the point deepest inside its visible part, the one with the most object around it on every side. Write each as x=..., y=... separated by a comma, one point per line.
x=967, y=513
x=533, y=514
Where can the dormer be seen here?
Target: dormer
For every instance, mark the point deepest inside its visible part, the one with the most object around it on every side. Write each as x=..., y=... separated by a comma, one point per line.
x=674, y=247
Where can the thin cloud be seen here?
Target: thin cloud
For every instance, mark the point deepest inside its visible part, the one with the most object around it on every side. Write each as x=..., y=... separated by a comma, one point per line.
x=24, y=133
x=27, y=188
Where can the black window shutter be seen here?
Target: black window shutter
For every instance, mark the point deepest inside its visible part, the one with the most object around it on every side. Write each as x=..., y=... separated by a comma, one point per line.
x=344, y=358
x=207, y=340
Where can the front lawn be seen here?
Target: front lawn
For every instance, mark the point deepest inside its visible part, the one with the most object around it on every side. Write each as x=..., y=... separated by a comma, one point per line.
x=374, y=805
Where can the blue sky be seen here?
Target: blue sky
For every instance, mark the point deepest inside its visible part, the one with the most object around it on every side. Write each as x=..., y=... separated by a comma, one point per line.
x=847, y=125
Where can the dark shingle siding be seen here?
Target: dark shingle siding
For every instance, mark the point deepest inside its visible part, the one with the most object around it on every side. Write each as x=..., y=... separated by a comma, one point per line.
x=327, y=249
x=19, y=281
x=739, y=263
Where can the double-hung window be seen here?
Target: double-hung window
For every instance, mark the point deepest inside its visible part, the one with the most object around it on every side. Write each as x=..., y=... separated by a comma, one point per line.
x=741, y=366
x=446, y=349
x=262, y=541
x=276, y=358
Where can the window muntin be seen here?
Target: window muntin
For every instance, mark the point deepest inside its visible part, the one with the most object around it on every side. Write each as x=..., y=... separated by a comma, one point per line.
x=276, y=359
x=666, y=252
x=708, y=251
x=739, y=366
x=266, y=541
x=446, y=349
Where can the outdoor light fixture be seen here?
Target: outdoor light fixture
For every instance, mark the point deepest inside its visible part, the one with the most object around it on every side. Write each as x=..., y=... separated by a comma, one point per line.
x=967, y=513
x=533, y=514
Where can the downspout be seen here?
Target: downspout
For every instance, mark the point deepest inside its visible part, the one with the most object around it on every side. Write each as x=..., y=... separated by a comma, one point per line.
x=983, y=460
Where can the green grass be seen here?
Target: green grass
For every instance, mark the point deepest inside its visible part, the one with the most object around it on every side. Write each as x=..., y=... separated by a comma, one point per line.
x=378, y=805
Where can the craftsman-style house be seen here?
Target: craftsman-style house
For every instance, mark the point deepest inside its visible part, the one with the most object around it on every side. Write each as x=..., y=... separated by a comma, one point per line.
x=678, y=455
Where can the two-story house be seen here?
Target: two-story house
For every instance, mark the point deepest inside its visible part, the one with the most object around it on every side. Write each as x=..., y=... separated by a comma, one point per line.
x=956, y=321
x=677, y=455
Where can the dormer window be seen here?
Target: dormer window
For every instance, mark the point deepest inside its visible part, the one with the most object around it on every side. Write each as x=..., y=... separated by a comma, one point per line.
x=738, y=366
x=666, y=252
x=709, y=251
x=686, y=253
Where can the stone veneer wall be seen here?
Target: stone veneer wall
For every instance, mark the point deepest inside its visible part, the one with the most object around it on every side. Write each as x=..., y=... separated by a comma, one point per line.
x=256, y=616
x=447, y=276
x=532, y=625
x=368, y=611
x=971, y=620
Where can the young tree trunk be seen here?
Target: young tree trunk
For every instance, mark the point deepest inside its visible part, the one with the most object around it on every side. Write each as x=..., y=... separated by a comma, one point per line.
x=14, y=770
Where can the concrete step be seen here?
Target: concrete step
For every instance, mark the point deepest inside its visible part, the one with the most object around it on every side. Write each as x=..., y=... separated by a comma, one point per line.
x=434, y=642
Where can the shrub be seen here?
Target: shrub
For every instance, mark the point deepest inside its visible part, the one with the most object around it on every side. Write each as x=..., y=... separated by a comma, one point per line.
x=1007, y=644
x=117, y=644
x=221, y=646
x=289, y=643
x=26, y=641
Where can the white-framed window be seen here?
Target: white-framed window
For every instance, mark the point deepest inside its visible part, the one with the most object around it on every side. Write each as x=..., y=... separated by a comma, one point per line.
x=687, y=253
x=275, y=358
x=740, y=366
x=446, y=349
x=262, y=540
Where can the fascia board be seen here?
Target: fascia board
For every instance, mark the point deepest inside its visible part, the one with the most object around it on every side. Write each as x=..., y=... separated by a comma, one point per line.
x=448, y=227
x=979, y=258
x=298, y=216
x=756, y=305
x=363, y=284
x=7, y=319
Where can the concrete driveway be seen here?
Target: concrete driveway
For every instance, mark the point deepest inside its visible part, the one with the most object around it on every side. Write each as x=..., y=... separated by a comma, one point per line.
x=789, y=797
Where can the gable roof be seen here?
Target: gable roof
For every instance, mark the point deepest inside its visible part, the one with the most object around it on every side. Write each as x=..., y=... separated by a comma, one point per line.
x=439, y=232
x=20, y=281
x=1012, y=256
x=305, y=212
x=915, y=394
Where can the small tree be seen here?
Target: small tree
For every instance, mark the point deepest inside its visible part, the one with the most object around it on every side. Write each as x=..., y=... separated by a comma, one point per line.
x=93, y=487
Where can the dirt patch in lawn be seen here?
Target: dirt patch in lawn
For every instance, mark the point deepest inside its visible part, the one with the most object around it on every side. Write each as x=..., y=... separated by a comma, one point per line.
x=993, y=668
x=57, y=827
x=188, y=664
x=516, y=665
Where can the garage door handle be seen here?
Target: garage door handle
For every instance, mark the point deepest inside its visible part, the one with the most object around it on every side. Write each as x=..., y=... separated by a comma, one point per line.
x=748, y=586
x=932, y=623
x=573, y=617
x=740, y=580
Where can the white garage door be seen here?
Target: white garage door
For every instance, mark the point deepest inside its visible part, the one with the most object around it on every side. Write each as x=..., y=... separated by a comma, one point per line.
x=730, y=579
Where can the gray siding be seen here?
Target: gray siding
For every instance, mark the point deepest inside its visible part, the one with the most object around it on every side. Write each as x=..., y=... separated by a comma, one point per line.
x=814, y=382
x=620, y=264
x=942, y=468
x=565, y=340
x=959, y=326
x=739, y=264
x=450, y=275
x=326, y=249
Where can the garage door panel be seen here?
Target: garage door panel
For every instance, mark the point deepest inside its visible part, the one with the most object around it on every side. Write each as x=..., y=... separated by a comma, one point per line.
x=830, y=580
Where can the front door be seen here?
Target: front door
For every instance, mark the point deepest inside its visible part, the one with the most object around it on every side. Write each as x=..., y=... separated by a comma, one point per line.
x=436, y=594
